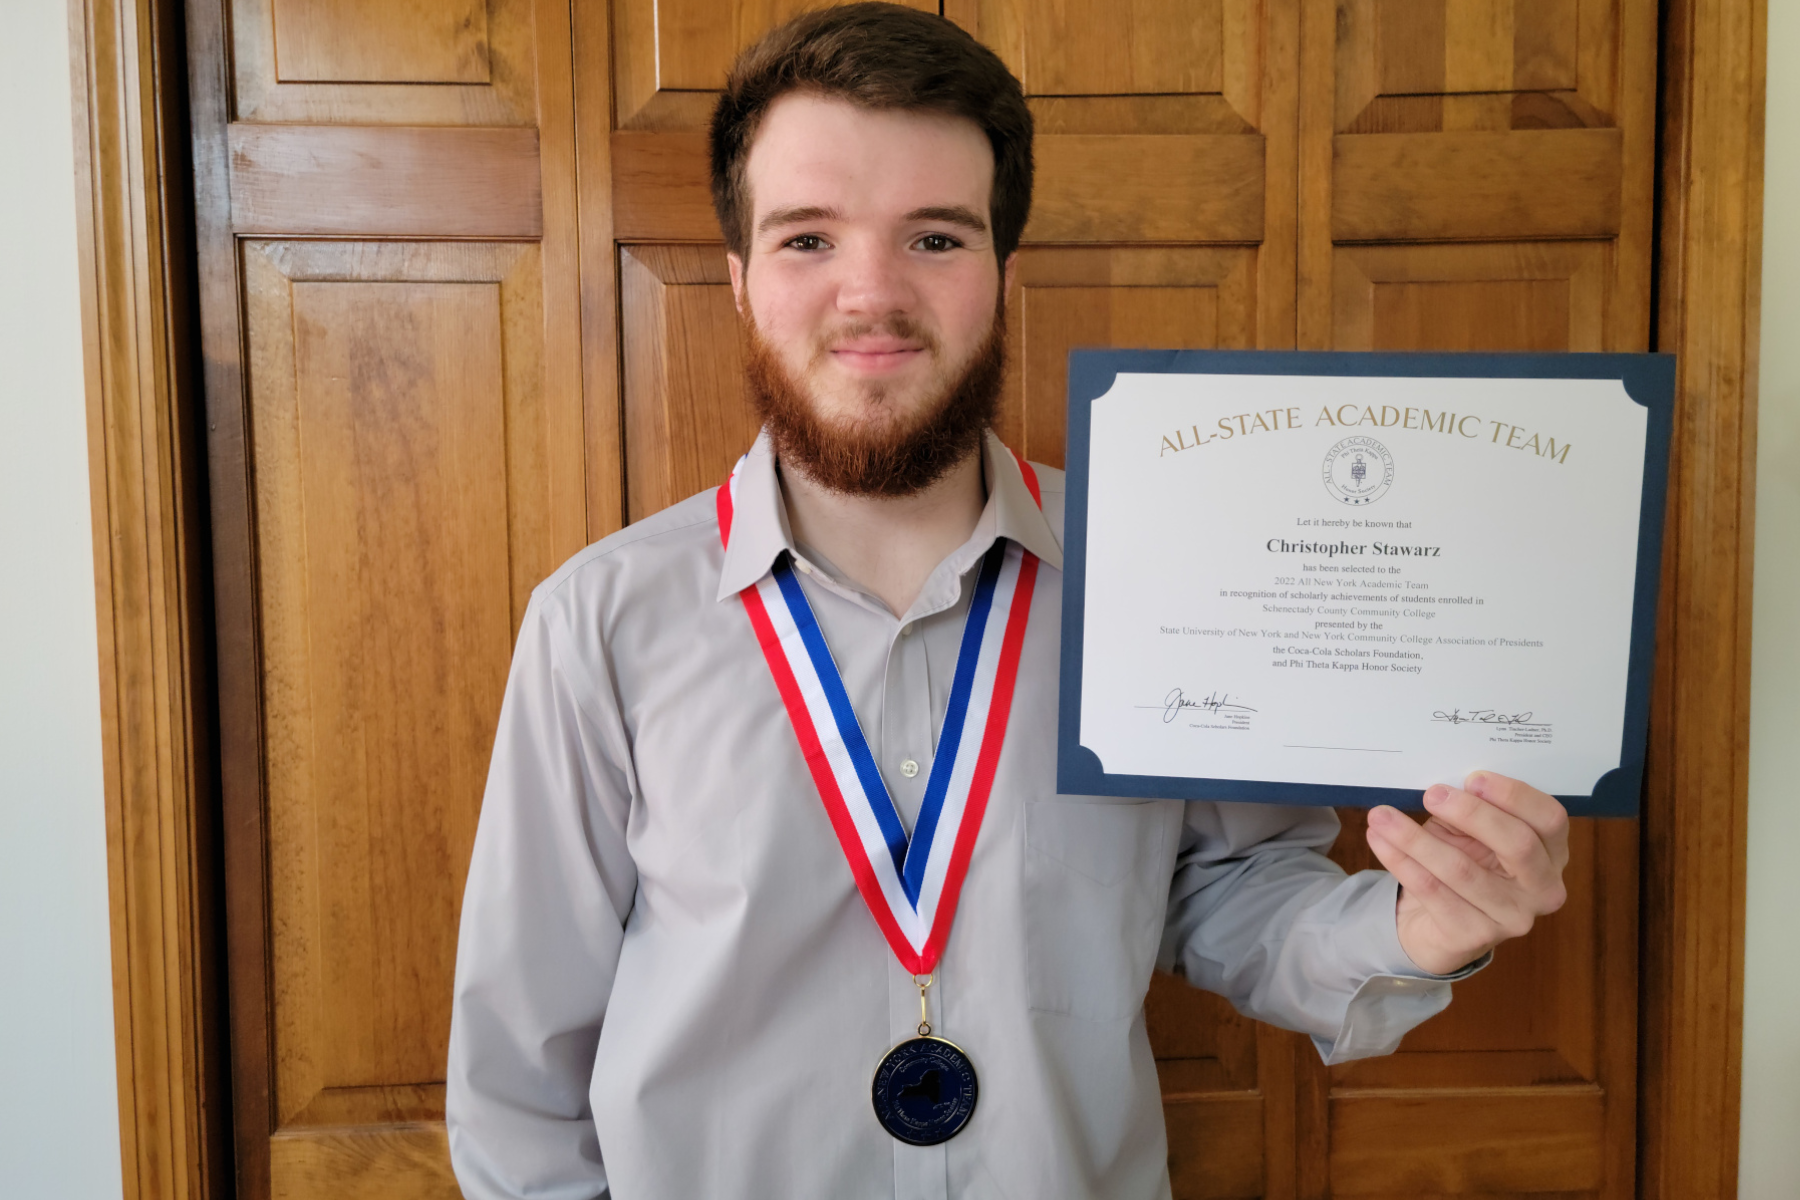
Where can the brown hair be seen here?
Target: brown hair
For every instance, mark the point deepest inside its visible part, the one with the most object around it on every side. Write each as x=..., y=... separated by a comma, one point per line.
x=877, y=56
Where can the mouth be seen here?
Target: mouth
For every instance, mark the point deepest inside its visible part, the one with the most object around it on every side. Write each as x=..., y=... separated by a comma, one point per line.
x=876, y=355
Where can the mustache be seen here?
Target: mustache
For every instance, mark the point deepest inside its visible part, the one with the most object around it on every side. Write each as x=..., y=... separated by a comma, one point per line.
x=898, y=326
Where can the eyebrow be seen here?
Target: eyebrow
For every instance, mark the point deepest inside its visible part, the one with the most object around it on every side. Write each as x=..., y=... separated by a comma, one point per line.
x=794, y=214
x=953, y=214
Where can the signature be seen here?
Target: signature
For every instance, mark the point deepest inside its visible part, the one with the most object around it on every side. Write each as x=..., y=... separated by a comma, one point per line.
x=1214, y=702
x=1481, y=716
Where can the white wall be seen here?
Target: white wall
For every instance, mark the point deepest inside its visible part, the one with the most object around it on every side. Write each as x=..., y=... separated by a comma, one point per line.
x=58, y=1092
x=1769, y=1166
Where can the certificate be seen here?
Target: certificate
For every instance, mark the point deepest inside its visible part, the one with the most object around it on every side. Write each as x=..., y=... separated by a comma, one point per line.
x=1341, y=578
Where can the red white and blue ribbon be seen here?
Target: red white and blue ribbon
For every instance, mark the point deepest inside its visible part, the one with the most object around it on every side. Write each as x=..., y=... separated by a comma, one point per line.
x=911, y=885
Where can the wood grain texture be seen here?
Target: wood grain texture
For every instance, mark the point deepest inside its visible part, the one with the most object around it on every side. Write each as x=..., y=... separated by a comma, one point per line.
x=1708, y=312
x=149, y=568
x=381, y=1013
x=1093, y=51
x=1148, y=188
x=1188, y=297
x=402, y=454
x=687, y=417
x=373, y=182
x=659, y=188
x=383, y=62
x=1499, y=51
x=1479, y=186
x=1097, y=47
x=1458, y=1142
x=1202, y=1045
x=1215, y=1145
x=575, y=412
x=670, y=56
x=592, y=259
x=1502, y=296
x=240, y=762
x=402, y=1161
x=381, y=41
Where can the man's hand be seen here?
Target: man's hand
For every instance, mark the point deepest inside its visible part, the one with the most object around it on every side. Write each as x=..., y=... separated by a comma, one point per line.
x=1482, y=869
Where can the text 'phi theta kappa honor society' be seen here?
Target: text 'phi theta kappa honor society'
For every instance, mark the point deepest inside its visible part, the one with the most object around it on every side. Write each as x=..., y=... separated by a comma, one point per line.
x=925, y=1088
x=1330, y=578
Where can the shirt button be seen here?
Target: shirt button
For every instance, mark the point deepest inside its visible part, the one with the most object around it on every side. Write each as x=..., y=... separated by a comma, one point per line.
x=804, y=567
x=906, y=629
x=909, y=768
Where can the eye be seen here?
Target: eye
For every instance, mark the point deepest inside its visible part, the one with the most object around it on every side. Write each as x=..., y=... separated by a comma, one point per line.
x=937, y=243
x=805, y=242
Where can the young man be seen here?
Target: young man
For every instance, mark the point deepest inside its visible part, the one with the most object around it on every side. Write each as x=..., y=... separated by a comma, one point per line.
x=773, y=795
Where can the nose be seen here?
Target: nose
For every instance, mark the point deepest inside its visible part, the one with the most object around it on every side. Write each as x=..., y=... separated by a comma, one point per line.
x=874, y=282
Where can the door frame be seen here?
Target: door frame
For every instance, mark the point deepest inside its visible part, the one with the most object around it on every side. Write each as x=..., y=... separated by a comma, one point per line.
x=144, y=181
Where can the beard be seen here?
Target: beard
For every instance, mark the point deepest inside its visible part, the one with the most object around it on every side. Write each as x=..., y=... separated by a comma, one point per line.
x=895, y=454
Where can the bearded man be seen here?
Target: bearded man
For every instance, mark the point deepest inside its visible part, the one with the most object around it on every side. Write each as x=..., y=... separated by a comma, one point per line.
x=773, y=808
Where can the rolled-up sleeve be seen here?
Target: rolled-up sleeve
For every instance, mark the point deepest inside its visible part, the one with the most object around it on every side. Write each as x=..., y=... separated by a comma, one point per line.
x=549, y=889
x=1258, y=914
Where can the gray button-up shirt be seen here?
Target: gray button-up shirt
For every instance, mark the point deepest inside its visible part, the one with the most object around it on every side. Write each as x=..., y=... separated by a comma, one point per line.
x=667, y=983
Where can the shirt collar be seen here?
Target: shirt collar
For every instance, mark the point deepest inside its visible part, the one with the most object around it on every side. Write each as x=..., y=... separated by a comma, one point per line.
x=759, y=524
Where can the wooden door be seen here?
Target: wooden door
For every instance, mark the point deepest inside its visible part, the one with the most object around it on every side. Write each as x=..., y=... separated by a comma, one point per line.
x=441, y=359
x=1477, y=175
x=391, y=311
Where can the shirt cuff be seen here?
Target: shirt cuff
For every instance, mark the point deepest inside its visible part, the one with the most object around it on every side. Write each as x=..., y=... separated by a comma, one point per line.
x=1395, y=995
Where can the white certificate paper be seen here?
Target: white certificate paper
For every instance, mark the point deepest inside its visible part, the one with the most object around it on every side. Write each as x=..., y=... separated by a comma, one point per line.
x=1353, y=586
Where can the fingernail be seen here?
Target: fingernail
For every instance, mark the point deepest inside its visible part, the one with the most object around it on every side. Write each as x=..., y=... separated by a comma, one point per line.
x=1380, y=816
x=1476, y=782
x=1436, y=794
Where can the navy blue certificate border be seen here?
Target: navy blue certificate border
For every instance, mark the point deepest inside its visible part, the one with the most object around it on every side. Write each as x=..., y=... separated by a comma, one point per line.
x=1648, y=379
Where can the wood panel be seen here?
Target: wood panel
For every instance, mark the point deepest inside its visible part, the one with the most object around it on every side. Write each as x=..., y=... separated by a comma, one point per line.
x=1543, y=296
x=398, y=1161
x=1187, y=297
x=1482, y=121
x=659, y=188
x=1148, y=188
x=671, y=56
x=434, y=395
x=384, y=62
x=1477, y=185
x=353, y=41
x=401, y=450
x=687, y=418
x=1133, y=56
x=1216, y=1147
x=360, y=181
x=1477, y=1141
x=1418, y=65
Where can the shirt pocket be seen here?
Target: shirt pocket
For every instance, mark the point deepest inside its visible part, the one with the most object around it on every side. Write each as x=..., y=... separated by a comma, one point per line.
x=1095, y=899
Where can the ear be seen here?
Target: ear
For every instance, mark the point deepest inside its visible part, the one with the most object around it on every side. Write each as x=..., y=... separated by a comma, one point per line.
x=736, y=266
x=1009, y=274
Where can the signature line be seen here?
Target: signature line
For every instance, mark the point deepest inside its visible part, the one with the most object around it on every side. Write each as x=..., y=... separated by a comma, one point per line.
x=1364, y=749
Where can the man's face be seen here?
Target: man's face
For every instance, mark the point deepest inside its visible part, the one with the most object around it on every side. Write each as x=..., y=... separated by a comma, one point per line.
x=871, y=284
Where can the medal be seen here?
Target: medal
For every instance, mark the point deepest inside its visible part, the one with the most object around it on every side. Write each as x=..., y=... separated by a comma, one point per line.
x=925, y=1088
